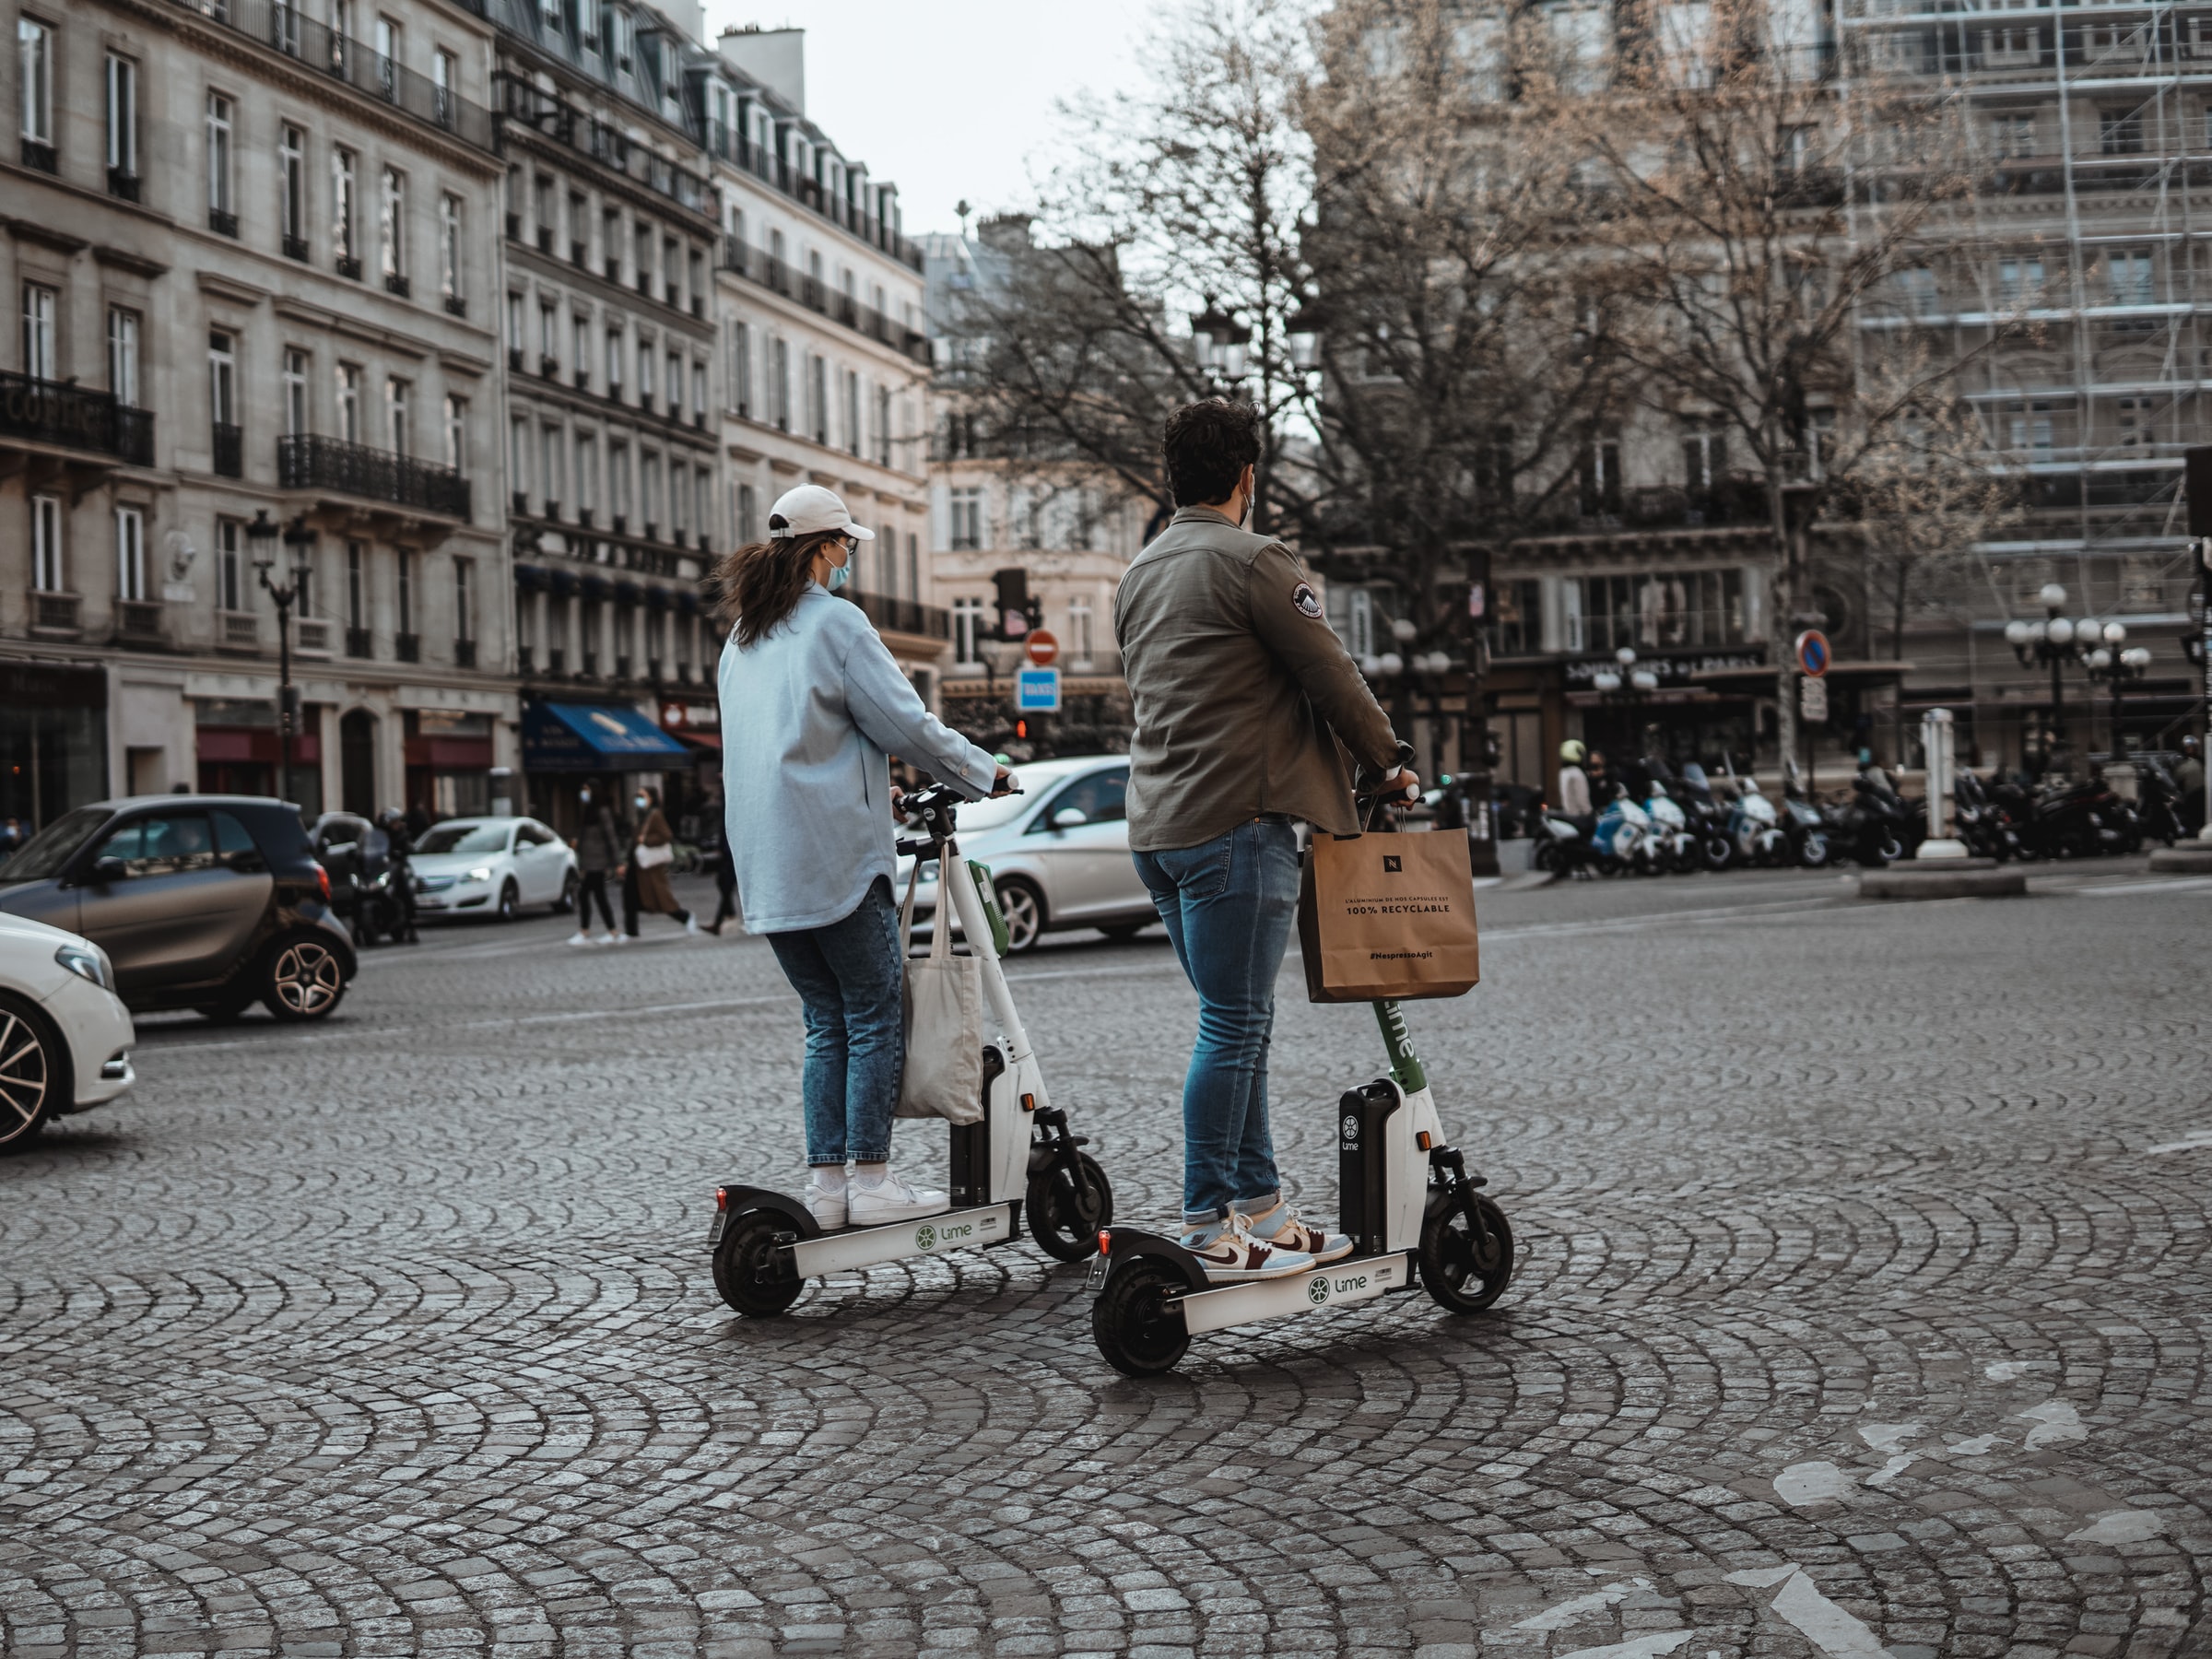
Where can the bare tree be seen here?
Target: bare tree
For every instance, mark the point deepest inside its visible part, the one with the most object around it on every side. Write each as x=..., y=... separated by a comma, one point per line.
x=1761, y=205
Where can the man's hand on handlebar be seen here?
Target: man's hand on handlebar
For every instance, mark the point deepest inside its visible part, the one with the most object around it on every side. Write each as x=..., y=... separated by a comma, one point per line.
x=1403, y=786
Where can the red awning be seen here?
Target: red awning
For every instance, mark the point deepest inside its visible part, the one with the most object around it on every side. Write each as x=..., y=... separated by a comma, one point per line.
x=700, y=739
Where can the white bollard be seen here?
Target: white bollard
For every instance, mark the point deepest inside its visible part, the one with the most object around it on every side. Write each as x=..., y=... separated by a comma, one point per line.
x=1937, y=733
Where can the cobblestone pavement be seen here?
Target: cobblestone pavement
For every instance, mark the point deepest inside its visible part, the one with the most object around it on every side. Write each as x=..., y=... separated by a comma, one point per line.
x=1863, y=1308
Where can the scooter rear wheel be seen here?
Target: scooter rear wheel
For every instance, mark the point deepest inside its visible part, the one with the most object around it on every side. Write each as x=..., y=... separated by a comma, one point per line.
x=749, y=1273
x=1137, y=1328
x=1064, y=1222
x=1466, y=1254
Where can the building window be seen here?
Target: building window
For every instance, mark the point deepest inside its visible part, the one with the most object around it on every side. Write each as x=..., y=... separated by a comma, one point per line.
x=779, y=377
x=388, y=48
x=749, y=508
x=222, y=204
x=231, y=590
x=465, y=610
x=406, y=563
x=349, y=402
x=38, y=332
x=451, y=282
x=391, y=224
x=741, y=370
x=699, y=388
x=2134, y=422
x=46, y=572
x=398, y=414
x=2127, y=275
x=2120, y=132
x=548, y=439
x=579, y=337
x=967, y=629
x=123, y=354
x=514, y=321
x=357, y=587
x=1079, y=631
x=2012, y=136
x=617, y=481
x=34, y=52
x=587, y=471
x=2020, y=280
x=967, y=524
x=914, y=565
x=444, y=74
x=130, y=553
x=342, y=209
x=518, y=456
x=1517, y=612
x=456, y=433
x=295, y=393
x=123, y=118
x=644, y=374
x=549, y=335
x=648, y=484
x=883, y=426
x=1704, y=461
x=853, y=433
x=222, y=379
x=818, y=398
x=614, y=362
x=1598, y=477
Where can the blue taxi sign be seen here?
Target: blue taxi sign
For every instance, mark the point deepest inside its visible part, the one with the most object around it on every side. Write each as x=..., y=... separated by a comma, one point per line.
x=1813, y=654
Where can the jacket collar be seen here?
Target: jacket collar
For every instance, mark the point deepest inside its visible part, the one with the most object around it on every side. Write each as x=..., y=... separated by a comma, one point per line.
x=1185, y=515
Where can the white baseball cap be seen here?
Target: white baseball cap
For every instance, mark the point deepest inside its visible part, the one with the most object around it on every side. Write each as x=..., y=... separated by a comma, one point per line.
x=808, y=510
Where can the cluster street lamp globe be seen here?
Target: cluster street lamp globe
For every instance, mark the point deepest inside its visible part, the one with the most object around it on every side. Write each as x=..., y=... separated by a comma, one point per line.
x=1629, y=683
x=2116, y=664
x=2053, y=642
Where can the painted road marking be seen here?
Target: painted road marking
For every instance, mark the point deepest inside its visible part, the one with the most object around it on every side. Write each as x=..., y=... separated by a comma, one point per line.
x=1835, y=1633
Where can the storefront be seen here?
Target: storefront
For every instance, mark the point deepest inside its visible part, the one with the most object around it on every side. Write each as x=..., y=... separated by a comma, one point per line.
x=54, y=739
x=448, y=761
x=240, y=751
x=690, y=793
x=566, y=744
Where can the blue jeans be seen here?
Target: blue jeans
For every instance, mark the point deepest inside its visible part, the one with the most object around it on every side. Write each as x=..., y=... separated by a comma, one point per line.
x=1228, y=904
x=849, y=981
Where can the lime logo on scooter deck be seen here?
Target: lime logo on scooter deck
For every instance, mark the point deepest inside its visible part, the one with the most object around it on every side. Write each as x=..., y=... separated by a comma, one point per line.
x=1351, y=1126
x=1317, y=1290
x=928, y=1237
x=925, y=1237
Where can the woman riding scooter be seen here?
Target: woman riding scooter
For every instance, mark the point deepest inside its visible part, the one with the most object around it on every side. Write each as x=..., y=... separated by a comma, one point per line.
x=806, y=785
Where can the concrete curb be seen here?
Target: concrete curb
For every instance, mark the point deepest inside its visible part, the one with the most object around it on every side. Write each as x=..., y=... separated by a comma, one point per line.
x=2184, y=860
x=1944, y=879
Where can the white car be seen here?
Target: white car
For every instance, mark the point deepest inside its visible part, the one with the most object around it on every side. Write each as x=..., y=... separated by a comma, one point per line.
x=1058, y=852
x=64, y=1035
x=493, y=866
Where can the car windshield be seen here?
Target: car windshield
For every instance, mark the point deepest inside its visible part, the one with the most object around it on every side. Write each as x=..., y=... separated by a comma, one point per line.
x=464, y=838
x=43, y=854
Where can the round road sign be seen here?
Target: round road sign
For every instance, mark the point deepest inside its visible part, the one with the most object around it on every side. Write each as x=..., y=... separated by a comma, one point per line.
x=1813, y=652
x=1044, y=650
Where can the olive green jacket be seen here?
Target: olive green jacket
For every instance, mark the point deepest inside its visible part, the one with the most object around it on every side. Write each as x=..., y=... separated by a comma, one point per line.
x=1243, y=693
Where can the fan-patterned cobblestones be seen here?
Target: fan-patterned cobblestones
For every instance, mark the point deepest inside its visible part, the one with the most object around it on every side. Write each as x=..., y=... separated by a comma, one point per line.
x=1864, y=1306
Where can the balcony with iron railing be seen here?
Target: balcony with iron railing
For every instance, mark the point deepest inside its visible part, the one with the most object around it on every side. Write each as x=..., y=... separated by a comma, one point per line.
x=765, y=270
x=56, y=615
x=554, y=118
x=236, y=630
x=72, y=417
x=903, y=615
x=742, y=153
x=141, y=623
x=355, y=469
x=287, y=29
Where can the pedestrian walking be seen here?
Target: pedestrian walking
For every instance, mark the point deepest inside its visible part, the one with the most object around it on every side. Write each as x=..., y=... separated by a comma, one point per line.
x=1242, y=696
x=2189, y=777
x=807, y=782
x=650, y=855
x=599, y=842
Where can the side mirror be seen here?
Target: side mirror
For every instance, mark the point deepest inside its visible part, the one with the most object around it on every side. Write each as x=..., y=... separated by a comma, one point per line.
x=108, y=869
x=1070, y=818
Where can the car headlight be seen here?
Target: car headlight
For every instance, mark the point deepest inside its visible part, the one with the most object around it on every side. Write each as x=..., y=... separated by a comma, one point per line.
x=88, y=962
x=481, y=873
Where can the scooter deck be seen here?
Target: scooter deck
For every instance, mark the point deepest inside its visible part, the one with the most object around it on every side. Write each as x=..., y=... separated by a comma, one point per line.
x=1356, y=1279
x=895, y=1240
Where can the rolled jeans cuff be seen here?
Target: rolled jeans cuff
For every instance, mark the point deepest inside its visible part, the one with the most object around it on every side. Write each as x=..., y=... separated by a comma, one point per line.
x=1258, y=1205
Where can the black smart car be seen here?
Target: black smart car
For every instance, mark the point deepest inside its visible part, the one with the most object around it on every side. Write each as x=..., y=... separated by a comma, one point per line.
x=201, y=901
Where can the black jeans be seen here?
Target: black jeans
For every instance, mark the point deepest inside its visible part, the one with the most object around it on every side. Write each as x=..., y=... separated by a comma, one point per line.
x=592, y=886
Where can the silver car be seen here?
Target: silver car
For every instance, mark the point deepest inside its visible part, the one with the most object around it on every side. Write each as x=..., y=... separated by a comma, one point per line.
x=1058, y=852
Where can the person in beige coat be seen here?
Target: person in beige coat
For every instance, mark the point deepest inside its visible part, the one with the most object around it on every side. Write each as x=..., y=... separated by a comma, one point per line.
x=650, y=857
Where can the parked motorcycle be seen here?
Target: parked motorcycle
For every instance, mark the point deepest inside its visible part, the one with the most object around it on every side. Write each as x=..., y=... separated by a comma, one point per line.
x=2070, y=819
x=1707, y=819
x=1984, y=827
x=1623, y=837
x=1754, y=830
x=2158, y=803
x=1673, y=845
x=1872, y=825
x=1805, y=829
x=1560, y=846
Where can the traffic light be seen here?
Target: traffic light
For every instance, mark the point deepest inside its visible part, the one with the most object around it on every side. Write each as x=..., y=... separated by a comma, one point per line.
x=1021, y=728
x=1013, y=584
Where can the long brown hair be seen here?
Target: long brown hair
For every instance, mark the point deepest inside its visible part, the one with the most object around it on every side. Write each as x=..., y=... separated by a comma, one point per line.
x=760, y=584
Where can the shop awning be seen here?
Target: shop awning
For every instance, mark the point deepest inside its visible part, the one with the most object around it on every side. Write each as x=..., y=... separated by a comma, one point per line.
x=705, y=740
x=596, y=737
x=1761, y=678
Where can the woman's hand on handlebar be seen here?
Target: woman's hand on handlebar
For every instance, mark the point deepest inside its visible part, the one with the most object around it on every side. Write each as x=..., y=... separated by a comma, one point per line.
x=1005, y=783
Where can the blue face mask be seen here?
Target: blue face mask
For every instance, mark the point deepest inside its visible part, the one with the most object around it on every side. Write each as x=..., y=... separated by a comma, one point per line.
x=841, y=574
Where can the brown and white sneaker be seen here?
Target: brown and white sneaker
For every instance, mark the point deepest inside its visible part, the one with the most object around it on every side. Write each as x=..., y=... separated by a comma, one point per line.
x=1231, y=1255
x=1281, y=1227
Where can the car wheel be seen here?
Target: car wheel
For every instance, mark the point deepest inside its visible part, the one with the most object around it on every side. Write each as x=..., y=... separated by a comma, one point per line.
x=511, y=902
x=33, y=1072
x=305, y=980
x=567, y=901
x=1023, y=907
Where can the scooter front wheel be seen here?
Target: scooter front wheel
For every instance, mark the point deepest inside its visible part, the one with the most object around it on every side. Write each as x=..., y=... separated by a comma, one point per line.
x=1065, y=1222
x=1136, y=1325
x=749, y=1272
x=1467, y=1254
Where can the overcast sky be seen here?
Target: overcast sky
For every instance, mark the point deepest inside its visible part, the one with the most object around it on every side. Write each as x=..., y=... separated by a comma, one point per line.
x=950, y=99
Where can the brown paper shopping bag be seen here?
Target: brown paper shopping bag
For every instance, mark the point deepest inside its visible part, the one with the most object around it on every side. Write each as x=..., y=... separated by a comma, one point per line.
x=1387, y=915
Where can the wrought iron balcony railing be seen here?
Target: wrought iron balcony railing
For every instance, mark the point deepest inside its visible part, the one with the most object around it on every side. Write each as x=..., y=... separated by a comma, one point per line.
x=45, y=411
x=903, y=615
x=355, y=469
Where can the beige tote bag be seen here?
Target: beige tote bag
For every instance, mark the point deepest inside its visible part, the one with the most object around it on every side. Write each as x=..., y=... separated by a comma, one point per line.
x=944, y=1072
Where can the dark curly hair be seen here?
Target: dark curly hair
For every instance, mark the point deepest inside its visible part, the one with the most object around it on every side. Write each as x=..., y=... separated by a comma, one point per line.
x=1207, y=445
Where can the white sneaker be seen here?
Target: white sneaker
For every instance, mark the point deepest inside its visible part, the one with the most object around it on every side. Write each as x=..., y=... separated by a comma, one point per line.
x=1281, y=1227
x=618, y=938
x=1230, y=1254
x=580, y=938
x=610, y=937
x=827, y=1208
x=891, y=1199
x=690, y=925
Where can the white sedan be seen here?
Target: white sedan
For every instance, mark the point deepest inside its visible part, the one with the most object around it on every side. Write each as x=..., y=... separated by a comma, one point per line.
x=492, y=867
x=64, y=1035
x=1058, y=852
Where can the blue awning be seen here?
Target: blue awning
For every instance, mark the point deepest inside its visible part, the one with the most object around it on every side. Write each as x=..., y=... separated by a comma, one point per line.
x=596, y=737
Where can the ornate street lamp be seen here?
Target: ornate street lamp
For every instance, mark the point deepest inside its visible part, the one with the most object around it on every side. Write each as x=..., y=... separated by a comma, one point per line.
x=261, y=541
x=2055, y=641
x=2116, y=668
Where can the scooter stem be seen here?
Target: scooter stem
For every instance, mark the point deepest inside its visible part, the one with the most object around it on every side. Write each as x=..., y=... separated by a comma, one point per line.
x=1404, y=1064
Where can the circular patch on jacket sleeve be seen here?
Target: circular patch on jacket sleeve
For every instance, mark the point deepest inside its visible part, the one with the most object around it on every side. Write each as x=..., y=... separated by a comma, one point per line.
x=1308, y=604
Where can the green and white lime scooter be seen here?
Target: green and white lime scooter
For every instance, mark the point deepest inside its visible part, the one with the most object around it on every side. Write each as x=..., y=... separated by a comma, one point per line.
x=1405, y=1198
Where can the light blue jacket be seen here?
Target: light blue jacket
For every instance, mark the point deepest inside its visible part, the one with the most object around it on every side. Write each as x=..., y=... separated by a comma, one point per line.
x=809, y=714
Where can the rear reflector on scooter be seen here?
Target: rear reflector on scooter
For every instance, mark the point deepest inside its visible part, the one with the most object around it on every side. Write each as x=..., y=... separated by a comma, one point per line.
x=1105, y=1241
x=1029, y=1102
x=722, y=1199
x=1421, y=1140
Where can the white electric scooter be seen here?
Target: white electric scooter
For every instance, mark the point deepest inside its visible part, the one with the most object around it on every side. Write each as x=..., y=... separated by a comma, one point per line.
x=1018, y=1161
x=1405, y=1197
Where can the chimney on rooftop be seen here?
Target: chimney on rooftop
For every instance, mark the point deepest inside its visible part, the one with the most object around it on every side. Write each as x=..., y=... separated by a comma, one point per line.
x=776, y=58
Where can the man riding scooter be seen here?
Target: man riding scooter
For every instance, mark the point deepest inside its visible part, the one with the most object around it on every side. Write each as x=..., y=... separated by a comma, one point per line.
x=1242, y=694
